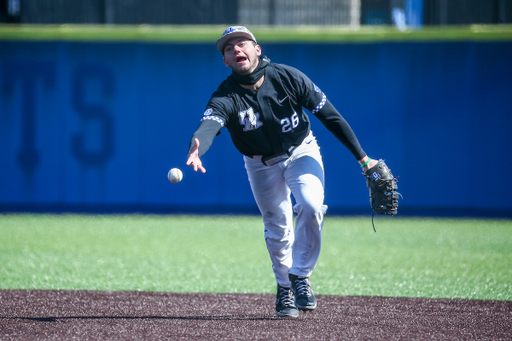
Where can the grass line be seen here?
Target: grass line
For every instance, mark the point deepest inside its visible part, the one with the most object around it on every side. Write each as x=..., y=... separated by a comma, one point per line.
x=265, y=34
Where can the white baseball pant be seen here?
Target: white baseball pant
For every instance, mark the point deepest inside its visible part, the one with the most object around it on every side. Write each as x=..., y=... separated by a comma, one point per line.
x=302, y=175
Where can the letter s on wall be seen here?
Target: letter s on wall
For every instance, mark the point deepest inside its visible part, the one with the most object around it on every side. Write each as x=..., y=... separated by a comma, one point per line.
x=93, y=113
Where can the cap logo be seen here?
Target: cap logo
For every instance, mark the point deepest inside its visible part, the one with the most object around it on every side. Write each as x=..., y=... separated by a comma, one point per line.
x=233, y=29
x=229, y=30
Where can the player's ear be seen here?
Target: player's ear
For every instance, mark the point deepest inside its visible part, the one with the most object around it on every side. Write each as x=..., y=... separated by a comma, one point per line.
x=224, y=60
x=258, y=50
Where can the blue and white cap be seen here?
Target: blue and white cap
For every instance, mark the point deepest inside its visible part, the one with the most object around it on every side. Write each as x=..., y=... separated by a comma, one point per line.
x=232, y=32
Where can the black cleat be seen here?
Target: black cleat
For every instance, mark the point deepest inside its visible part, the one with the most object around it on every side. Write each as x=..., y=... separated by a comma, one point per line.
x=304, y=296
x=284, y=303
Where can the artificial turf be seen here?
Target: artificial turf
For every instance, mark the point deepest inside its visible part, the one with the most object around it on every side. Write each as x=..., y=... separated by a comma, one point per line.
x=407, y=257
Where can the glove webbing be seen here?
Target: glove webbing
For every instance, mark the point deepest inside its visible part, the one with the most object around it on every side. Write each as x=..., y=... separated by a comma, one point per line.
x=373, y=214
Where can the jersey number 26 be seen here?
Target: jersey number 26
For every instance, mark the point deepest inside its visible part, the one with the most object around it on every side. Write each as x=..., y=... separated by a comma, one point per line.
x=287, y=124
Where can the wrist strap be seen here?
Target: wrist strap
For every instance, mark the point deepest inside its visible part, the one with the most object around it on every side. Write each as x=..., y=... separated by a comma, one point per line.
x=367, y=162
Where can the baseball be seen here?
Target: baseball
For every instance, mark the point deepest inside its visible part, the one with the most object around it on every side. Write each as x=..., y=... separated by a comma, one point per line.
x=175, y=175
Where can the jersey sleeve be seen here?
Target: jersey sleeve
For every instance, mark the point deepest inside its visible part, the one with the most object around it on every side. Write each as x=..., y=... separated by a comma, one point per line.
x=216, y=110
x=214, y=118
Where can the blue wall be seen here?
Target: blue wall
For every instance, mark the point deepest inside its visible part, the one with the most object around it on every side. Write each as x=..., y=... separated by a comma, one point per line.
x=96, y=126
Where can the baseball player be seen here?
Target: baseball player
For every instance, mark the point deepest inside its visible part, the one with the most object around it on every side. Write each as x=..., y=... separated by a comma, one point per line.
x=261, y=104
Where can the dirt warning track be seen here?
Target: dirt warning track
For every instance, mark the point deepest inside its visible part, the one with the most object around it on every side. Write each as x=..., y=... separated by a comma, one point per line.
x=120, y=315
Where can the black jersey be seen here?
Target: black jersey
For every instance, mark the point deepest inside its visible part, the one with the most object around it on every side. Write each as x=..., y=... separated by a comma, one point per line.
x=271, y=119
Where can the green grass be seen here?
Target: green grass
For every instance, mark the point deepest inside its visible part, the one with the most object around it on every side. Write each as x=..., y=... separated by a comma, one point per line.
x=265, y=34
x=407, y=257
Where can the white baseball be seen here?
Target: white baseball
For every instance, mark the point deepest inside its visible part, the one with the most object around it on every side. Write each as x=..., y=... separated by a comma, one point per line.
x=175, y=175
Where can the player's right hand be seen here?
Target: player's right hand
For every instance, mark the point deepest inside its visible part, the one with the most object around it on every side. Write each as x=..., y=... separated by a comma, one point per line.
x=193, y=158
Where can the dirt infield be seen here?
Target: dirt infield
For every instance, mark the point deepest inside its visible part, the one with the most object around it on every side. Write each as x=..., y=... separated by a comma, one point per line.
x=115, y=315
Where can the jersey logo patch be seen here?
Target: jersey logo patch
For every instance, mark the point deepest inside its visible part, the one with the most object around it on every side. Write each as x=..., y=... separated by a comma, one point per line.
x=208, y=112
x=249, y=119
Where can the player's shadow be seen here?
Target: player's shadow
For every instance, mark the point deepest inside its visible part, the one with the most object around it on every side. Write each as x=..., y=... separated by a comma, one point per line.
x=198, y=318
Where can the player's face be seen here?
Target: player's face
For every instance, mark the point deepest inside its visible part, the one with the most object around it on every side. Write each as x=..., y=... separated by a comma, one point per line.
x=241, y=54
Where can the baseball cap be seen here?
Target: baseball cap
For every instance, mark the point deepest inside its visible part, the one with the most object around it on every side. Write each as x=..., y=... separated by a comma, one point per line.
x=233, y=32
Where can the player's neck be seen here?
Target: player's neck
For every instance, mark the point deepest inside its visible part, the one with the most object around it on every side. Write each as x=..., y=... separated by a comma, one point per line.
x=255, y=86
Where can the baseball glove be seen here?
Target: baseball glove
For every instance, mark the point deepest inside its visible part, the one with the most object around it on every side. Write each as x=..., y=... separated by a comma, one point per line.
x=382, y=186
